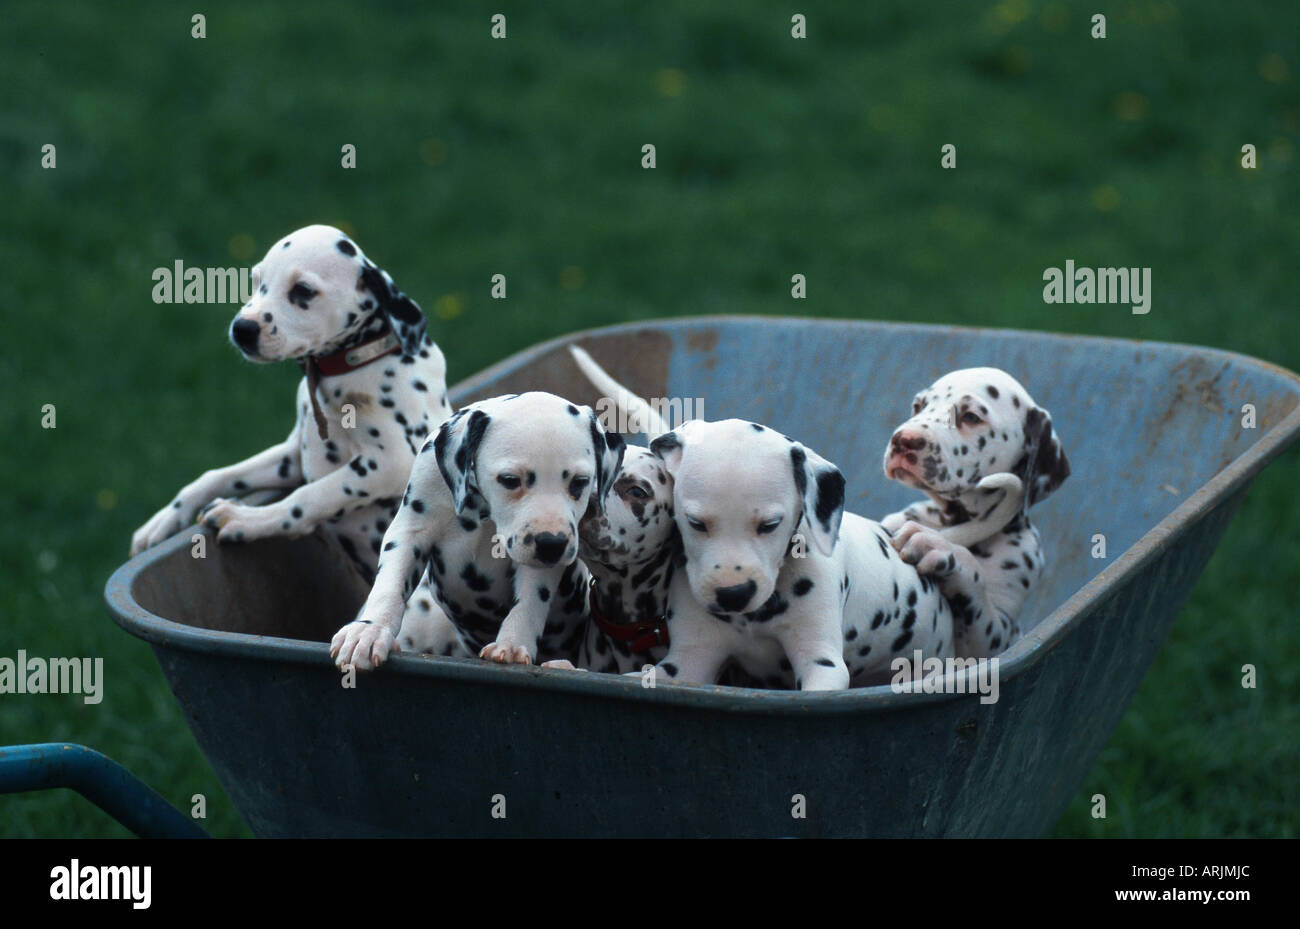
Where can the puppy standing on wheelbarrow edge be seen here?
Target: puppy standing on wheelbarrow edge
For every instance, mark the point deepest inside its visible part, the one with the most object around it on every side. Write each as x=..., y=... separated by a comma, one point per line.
x=374, y=388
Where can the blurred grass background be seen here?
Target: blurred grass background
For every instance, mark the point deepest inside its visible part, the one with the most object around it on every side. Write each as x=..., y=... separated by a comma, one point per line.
x=522, y=156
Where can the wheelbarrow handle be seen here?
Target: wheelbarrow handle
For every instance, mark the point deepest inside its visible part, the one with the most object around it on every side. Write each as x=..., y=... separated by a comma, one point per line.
x=99, y=779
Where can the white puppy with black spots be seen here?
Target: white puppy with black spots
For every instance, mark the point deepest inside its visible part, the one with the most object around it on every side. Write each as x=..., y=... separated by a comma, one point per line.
x=492, y=510
x=631, y=551
x=373, y=388
x=967, y=430
x=319, y=300
x=631, y=548
x=777, y=576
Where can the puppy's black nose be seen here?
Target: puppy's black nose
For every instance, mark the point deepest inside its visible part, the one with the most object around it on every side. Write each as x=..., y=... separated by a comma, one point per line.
x=244, y=333
x=550, y=547
x=734, y=599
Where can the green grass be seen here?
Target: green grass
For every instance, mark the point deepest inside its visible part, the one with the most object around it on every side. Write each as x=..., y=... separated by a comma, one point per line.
x=522, y=156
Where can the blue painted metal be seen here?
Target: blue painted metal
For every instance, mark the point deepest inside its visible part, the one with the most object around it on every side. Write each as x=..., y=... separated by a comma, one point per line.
x=1160, y=465
x=99, y=779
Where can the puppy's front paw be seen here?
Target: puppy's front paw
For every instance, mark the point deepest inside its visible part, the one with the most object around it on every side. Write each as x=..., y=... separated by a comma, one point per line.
x=925, y=548
x=162, y=525
x=506, y=653
x=364, y=645
x=892, y=522
x=238, y=522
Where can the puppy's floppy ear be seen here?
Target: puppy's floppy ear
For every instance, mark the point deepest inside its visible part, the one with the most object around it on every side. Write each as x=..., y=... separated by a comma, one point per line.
x=456, y=447
x=403, y=314
x=670, y=445
x=609, y=448
x=1044, y=466
x=821, y=486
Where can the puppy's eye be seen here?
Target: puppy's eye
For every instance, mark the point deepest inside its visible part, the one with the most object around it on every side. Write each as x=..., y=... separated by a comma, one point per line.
x=769, y=525
x=638, y=493
x=696, y=524
x=509, y=481
x=970, y=418
x=577, y=486
x=300, y=293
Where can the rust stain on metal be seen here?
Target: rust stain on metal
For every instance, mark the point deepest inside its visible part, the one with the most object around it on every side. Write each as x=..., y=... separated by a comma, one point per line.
x=705, y=340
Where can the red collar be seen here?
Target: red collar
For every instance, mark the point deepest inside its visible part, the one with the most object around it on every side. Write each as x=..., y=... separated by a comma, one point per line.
x=640, y=637
x=314, y=367
x=358, y=356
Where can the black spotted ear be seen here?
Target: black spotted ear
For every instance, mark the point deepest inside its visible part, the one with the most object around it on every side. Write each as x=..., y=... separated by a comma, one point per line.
x=403, y=314
x=609, y=448
x=456, y=448
x=821, y=487
x=669, y=446
x=1044, y=466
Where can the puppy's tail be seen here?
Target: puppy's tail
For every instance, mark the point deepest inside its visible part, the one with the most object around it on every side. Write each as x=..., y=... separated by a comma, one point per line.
x=641, y=417
x=981, y=527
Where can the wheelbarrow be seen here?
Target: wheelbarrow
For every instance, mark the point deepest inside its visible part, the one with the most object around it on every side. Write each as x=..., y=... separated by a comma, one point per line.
x=441, y=747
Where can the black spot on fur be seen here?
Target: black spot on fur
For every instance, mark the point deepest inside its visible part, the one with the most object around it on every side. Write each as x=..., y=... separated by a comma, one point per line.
x=473, y=579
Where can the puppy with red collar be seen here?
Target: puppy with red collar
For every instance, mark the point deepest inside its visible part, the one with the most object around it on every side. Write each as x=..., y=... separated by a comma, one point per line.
x=373, y=390
x=631, y=549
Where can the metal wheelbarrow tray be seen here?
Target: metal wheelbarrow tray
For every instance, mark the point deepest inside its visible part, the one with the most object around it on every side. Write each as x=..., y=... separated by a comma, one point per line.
x=436, y=746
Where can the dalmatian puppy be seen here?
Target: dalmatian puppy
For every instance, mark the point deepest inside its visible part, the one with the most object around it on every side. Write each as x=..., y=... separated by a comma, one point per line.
x=630, y=549
x=777, y=576
x=492, y=511
x=970, y=431
x=373, y=388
